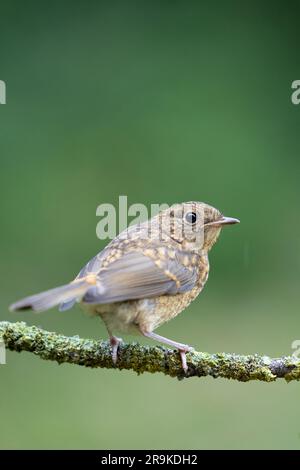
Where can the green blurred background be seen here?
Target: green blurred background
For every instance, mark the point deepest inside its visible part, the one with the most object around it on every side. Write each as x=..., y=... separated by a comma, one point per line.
x=163, y=102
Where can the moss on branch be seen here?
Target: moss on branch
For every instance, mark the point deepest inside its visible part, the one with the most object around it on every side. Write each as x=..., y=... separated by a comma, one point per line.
x=90, y=353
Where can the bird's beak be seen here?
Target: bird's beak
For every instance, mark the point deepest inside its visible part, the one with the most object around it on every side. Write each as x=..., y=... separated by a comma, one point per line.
x=224, y=221
x=228, y=221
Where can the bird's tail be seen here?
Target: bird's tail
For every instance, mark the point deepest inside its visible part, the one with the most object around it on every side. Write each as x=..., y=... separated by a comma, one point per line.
x=53, y=297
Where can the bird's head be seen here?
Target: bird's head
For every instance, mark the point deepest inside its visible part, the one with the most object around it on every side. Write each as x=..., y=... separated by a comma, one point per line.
x=195, y=225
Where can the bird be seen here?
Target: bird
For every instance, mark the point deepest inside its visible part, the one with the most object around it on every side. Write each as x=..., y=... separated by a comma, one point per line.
x=145, y=276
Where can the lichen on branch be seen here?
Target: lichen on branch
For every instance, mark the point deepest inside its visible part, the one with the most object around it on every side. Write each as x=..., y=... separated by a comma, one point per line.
x=90, y=353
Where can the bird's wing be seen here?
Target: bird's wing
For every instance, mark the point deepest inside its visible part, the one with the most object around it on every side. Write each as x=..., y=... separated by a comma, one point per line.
x=135, y=276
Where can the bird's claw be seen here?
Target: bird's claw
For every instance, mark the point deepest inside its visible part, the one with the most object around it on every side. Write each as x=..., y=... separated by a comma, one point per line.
x=114, y=343
x=182, y=352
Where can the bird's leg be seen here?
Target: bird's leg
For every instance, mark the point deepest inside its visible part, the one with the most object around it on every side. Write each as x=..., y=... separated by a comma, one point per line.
x=114, y=343
x=182, y=348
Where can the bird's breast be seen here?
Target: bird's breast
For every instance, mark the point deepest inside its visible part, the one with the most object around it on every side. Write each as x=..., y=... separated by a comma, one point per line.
x=147, y=314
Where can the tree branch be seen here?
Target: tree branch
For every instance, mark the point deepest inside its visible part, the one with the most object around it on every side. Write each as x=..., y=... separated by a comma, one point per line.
x=90, y=353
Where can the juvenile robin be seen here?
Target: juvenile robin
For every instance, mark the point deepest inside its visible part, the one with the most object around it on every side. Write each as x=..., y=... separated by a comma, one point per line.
x=145, y=276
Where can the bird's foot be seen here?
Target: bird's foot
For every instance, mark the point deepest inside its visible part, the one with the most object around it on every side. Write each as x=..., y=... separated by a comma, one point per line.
x=182, y=348
x=182, y=352
x=114, y=343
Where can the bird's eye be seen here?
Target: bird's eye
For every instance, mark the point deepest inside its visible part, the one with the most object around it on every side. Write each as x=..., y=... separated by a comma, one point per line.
x=191, y=217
